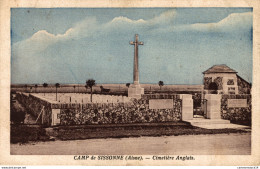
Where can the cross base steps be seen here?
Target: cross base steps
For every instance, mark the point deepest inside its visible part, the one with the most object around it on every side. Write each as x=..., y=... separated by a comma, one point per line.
x=135, y=91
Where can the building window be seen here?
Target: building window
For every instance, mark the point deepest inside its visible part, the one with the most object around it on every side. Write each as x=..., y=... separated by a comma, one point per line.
x=231, y=90
x=230, y=82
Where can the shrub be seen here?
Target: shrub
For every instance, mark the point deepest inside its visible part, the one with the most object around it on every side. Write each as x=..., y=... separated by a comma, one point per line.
x=17, y=116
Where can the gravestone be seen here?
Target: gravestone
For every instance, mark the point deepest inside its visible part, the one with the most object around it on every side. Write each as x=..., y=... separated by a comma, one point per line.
x=102, y=99
x=98, y=99
x=114, y=99
x=120, y=99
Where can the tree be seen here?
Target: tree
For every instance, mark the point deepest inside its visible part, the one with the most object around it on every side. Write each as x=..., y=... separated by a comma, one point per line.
x=127, y=85
x=101, y=89
x=45, y=85
x=57, y=85
x=160, y=83
x=35, y=86
x=74, y=88
x=90, y=83
x=26, y=87
x=86, y=86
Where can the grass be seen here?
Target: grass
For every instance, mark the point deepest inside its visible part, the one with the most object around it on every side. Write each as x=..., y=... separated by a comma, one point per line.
x=26, y=133
x=89, y=132
x=240, y=122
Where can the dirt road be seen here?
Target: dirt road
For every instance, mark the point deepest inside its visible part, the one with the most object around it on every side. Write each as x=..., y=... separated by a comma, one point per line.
x=219, y=144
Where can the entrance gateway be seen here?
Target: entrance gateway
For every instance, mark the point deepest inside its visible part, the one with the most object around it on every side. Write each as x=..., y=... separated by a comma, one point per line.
x=218, y=80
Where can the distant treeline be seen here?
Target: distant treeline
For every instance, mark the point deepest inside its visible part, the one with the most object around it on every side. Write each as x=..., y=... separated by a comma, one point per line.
x=96, y=90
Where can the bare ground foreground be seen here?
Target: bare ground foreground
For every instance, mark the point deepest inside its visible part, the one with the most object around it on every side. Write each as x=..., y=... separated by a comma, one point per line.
x=217, y=144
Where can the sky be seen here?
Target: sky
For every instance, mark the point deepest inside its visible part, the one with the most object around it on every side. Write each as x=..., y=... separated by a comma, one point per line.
x=71, y=45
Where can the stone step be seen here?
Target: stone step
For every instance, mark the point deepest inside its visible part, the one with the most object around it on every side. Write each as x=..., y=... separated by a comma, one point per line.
x=215, y=116
x=208, y=121
x=224, y=126
x=215, y=124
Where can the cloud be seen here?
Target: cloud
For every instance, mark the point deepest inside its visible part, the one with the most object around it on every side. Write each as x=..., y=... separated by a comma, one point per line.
x=123, y=19
x=88, y=27
x=164, y=18
x=39, y=41
x=234, y=21
x=91, y=44
x=84, y=28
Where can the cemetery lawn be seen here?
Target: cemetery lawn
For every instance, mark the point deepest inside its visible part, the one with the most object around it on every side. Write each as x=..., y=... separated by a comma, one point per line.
x=27, y=133
x=132, y=130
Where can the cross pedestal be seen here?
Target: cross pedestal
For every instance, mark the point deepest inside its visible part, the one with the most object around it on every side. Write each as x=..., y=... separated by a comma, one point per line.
x=135, y=90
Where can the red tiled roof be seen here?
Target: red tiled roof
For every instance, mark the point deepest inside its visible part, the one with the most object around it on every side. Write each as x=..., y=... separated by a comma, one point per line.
x=219, y=69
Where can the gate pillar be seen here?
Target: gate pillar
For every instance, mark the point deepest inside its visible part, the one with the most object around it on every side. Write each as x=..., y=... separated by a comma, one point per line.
x=187, y=107
x=213, y=106
x=55, y=117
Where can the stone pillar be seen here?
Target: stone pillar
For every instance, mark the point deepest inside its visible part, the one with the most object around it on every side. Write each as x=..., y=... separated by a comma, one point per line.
x=187, y=107
x=55, y=117
x=213, y=106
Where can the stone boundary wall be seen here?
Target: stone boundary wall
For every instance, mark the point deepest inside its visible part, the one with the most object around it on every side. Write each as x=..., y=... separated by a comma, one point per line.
x=34, y=105
x=243, y=86
x=135, y=111
x=236, y=113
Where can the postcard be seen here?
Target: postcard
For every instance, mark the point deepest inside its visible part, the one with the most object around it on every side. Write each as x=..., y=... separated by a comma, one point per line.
x=130, y=83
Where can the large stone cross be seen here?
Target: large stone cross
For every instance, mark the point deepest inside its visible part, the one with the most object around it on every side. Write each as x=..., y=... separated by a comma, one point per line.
x=135, y=90
x=136, y=71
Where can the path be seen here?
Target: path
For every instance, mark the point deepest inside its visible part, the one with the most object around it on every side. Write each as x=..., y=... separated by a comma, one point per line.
x=219, y=144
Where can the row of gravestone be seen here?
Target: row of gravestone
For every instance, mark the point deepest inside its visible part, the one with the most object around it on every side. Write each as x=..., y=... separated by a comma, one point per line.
x=85, y=98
